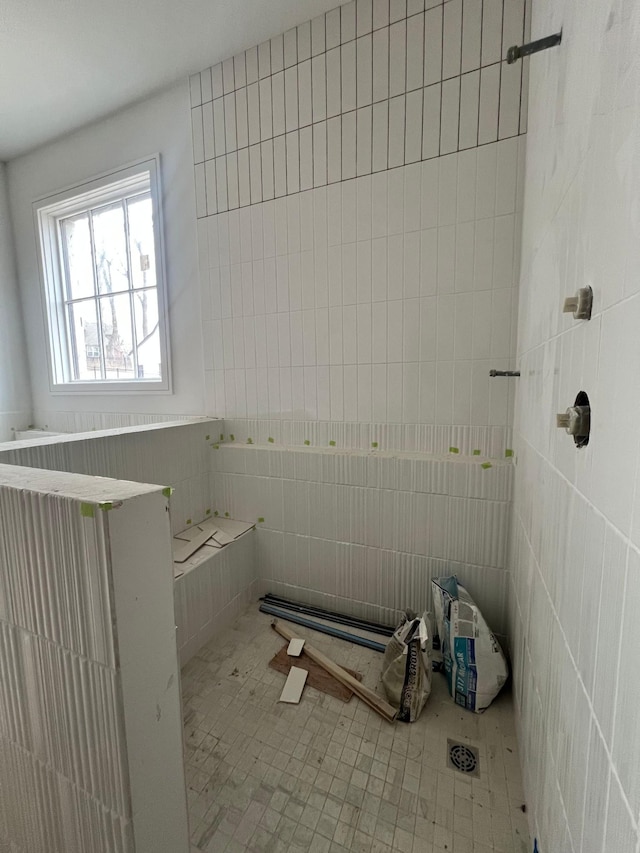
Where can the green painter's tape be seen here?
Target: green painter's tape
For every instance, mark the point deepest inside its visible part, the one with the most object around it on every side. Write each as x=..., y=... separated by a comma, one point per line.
x=374, y=444
x=249, y=441
x=476, y=453
x=208, y=512
x=261, y=520
x=105, y=506
x=87, y=510
x=307, y=442
x=454, y=450
x=167, y=492
x=270, y=440
x=232, y=436
x=216, y=446
x=226, y=515
x=216, y=513
x=332, y=443
x=221, y=436
x=486, y=465
x=188, y=522
x=207, y=437
x=508, y=452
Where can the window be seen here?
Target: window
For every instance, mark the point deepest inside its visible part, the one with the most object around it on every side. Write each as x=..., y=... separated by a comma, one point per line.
x=103, y=283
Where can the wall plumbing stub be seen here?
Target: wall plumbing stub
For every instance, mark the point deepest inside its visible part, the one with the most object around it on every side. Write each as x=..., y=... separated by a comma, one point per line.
x=579, y=305
x=577, y=420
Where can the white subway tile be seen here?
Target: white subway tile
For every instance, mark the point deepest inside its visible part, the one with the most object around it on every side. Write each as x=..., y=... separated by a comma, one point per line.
x=266, y=121
x=433, y=36
x=510, y=84
x=449, y=126
x=228, y=78
x=491, y=31
x=253, y=110
x=277, y=99
x=218, y=127
x=413, y=126
x=397, y=10
x=264, y=168
x=451, y=40
x=280, y=166
x=471, y=34
x=230, y=122
x=232, y=180
x=415, y=52
x=333, y=28
x=291, y=98
x=364, y=70
x=380, y=136
x=380, y=42
x=318, y=35
x=348, y=145
x=348, y=21
x=469, y=106
x=290, y=48
x=397, y=58
x=251, y=65
x=364, y=138
x=320, y=154
x=334, y=90
x=306, y=158
x=396, y=131
x=431, y=121
x=348, y=79
x=304, y=41
x=489, y=104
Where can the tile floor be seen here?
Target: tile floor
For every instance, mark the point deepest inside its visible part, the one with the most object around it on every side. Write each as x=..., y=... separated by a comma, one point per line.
x=326, y=776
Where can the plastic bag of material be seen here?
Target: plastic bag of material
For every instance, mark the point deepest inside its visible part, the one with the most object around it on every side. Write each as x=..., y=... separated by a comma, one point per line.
x=474, y=663
x=406, y=668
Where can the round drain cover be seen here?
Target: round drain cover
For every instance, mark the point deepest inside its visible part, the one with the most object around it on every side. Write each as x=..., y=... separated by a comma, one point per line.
x=462, y=758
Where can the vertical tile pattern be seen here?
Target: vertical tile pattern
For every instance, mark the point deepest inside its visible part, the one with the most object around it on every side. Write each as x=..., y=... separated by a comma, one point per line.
x=65, y=736
x=575, y=585
x=346, y=60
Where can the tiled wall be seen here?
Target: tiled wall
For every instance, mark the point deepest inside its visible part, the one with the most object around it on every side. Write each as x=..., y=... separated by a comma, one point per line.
x=364, y=533
x=359, y=223
x=79, y=617
x=174, y=455
x=213, y=592
x=575, y=561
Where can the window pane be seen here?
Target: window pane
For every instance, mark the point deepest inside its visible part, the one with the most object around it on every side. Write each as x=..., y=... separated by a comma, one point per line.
x=115, y=312
x=147, y=334
x=141, y=242
x=110, y=248
x=84, y=341
x=76, y=240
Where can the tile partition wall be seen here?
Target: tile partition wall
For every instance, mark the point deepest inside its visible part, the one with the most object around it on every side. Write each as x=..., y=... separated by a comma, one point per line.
x=575, y=562
x=369, y=296
x=172, y=454
x=90, y=712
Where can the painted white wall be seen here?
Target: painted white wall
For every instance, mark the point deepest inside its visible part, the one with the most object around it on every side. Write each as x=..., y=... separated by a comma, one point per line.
x=15, y=393
x=575, y=595
x=159, y=124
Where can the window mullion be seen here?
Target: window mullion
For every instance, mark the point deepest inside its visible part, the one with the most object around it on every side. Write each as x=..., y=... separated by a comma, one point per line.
x=134, y=340
x=103, y=367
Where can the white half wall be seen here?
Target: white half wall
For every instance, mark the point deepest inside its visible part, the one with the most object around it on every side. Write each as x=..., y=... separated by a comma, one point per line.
x=90, y=711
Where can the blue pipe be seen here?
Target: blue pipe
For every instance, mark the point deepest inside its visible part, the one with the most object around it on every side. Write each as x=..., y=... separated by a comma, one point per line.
x=323, y=629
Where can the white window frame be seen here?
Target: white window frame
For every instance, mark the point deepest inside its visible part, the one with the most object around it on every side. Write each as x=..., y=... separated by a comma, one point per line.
x=47, y=213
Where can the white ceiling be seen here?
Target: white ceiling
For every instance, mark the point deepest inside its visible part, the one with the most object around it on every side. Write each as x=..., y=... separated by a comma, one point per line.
x=65, y=63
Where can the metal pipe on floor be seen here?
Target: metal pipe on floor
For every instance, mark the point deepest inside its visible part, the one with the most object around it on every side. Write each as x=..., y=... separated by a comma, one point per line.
x=323, y=629
x=330, y=615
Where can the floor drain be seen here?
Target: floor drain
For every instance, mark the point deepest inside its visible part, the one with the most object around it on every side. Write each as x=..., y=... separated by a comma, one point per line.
x=463, y=758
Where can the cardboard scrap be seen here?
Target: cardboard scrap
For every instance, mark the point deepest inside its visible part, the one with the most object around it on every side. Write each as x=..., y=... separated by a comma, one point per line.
x=215, y=533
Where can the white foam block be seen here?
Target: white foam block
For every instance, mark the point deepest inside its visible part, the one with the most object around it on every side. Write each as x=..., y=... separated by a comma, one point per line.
x=294, y=685
x=295, y=647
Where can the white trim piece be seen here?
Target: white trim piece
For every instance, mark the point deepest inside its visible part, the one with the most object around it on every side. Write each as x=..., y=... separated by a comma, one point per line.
x=294, y=685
